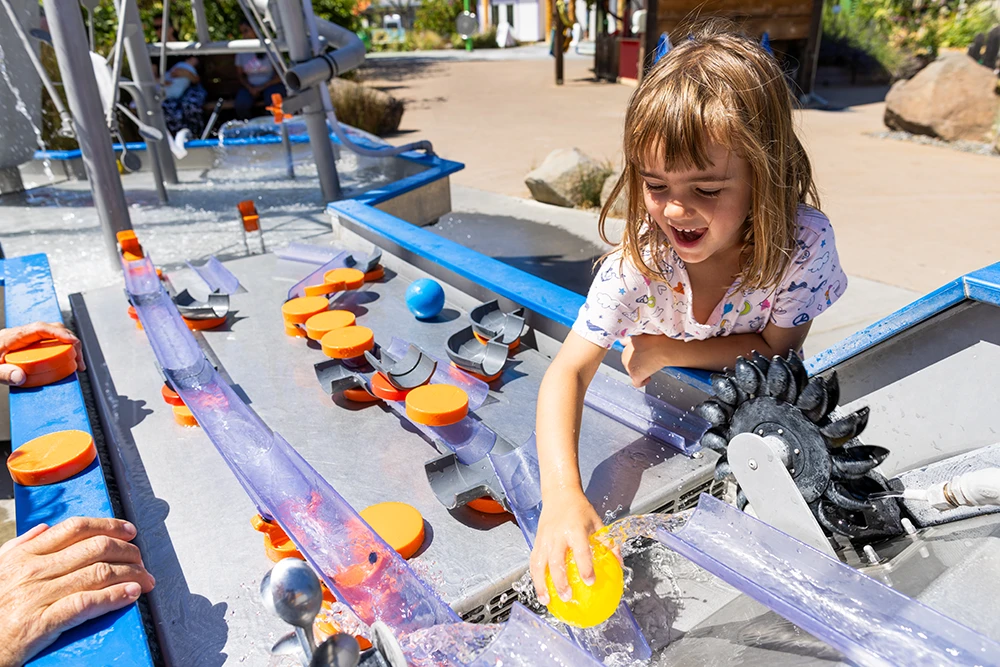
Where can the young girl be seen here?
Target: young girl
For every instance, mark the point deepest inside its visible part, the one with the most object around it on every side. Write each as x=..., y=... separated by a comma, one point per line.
x=724, y=252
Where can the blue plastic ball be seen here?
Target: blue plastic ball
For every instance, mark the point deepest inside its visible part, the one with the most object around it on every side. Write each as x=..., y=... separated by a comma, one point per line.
x=425, y=298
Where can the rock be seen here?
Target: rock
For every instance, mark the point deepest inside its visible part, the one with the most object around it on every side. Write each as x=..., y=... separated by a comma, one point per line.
x=567, y=177
x=365, y=108
x=952, y=98
x=618, y=209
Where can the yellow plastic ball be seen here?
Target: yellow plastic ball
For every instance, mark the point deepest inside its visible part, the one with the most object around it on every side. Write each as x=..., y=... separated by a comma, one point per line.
x=590, y=605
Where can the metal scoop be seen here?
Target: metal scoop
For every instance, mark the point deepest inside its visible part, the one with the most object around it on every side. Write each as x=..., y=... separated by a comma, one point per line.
x=291, y=590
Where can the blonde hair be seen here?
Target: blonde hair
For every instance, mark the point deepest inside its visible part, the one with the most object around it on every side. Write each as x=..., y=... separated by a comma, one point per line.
x=717, y=87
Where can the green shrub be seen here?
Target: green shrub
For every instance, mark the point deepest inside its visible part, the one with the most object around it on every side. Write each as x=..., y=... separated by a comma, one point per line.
x=481, y=40
x=589, y=184
x=438, y=16
x=366, y=109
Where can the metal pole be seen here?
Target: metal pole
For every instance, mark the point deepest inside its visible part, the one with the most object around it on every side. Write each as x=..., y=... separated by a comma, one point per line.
x=299, y=49
x=164, y=32
x=142, y=74
x=69, y=39
x=200, y=22
x=557, y=41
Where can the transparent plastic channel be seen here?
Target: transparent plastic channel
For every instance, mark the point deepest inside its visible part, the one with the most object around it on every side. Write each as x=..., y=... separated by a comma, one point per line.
x=361, y=569
x=218, y=278
x=519, y=476
x=870, y=623
x=527, y=641
x=445, y=373
x=646, y=414
x=307, y=253
x=339, y=261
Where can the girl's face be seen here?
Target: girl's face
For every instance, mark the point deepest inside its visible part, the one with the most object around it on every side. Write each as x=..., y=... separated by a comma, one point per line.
x=701, y=212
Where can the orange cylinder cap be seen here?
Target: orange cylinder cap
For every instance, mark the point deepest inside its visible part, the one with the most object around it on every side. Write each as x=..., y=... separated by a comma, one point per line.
x=359, y=395
x=323, y=323
x=378, y=273
x=486, y=505
x=184, y=416
x=437, y=405
x=42, y=357
x=51, y=458
x=399, y=524
x=348, y=342
x=300, y=309
x=382, y=388
x=346, y=278
x=170, y=396
x=294, y=331
x=201, y=325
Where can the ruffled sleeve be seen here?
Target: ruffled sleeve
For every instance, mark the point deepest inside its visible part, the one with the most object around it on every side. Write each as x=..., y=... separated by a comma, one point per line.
x=814, y=281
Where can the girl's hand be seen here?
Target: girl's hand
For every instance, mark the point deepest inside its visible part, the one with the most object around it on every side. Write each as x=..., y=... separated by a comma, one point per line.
x=16, y=338
x=644, y=355
x=567, y=522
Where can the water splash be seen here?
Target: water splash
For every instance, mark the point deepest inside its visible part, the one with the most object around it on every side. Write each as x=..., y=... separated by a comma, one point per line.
x=22, y=109
x=454, y=644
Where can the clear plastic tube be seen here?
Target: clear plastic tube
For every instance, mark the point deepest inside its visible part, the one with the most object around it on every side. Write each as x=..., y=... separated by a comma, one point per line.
x=216, y=276
x=360, y=568
x=519, y=476
x=445, y=373
x=870, y=623
x=307, y=252
x=527, y=641
x=339, y=261
x=646, y=414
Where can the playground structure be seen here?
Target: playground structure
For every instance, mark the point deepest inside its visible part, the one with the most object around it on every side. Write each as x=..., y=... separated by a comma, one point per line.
x=350, y=440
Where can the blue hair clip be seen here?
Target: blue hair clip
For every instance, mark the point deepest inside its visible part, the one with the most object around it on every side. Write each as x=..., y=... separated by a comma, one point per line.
x=765, y=43
x=662, y=47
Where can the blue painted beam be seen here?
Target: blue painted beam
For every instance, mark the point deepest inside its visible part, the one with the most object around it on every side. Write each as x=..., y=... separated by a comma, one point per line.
x=117, y=637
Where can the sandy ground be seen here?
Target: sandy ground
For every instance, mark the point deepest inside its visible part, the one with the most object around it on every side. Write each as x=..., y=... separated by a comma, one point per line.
x=907, y=215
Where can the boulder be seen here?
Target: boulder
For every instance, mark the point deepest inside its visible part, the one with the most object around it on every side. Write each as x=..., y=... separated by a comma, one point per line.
x=618, y=208
x=565, y=178
x=952, y=98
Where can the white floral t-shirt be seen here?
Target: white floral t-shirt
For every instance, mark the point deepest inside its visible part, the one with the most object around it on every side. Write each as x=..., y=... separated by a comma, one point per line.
x=622, y=302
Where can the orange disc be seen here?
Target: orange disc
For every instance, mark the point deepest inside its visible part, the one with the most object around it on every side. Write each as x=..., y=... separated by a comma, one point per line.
x=170, y=396
x=277, y=546
x=486, y=505
x=382, y=388
x=184, y=416
x=399, y=524
x=437, y=405
x=298, y=310
x=359, y=396
x=485, y=378
x=348, y=342
x=42, y=357
x=378, y=273
x=199, y=325
x=321, y=289
x=294, y=331
x=323, y=323
x=131, y=313
x=484, y=341
x=51, y=458
x=48, y=377
x=345, y=278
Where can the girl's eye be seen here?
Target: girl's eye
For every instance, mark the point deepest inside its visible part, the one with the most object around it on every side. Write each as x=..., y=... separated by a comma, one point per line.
x=655, y=188
x=709, y=193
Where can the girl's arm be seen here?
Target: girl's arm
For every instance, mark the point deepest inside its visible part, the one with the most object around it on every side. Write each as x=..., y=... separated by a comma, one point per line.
x=568, y=519
x=646, y=354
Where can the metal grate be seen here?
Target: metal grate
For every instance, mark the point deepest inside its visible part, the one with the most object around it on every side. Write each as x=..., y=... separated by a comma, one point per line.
x=497, y=610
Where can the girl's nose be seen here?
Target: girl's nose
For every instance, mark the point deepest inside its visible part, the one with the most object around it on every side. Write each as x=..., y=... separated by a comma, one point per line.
x=675, y=210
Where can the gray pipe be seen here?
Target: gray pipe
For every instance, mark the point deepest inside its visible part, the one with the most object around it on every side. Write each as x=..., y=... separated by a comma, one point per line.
x=69, y=39
x=299, y=49
x=66, y=129
x=200, y=20
x=147, y=100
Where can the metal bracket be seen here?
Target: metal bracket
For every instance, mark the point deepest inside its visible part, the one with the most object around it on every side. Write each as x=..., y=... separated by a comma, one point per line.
x=414, y=369
x=490, y=322
x=455, y=483
x=366, y=265
x=470, y=354
x=300, y=100
x=334, y=377
x=756, y=463
x=217, y=305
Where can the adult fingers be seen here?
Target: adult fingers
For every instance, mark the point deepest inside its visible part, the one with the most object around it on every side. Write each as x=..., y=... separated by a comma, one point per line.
x=80, y=364
x=97, y=549
x=82, y=606
x=78, y=529
x=24, y=537
x=19, y=337
x=12, y=375
x=96, y=576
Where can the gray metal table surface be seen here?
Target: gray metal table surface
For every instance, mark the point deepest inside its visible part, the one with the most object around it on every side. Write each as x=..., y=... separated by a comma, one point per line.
x=194, y=519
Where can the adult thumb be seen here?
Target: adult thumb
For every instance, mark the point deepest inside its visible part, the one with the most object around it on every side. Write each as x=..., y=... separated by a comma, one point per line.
x=12, y=375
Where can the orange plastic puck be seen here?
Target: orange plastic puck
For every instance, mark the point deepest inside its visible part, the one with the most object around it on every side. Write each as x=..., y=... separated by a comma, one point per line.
x=300, y=309
x=184, y=416
x=200, y=325
x=277, y=546
x=322, y=289
x=51, y=458
x=437, y=405
x=378, y=273
x=323, y=323
x=48, y=377
x=486, y=505
x=485, y=378
x=170, y=396
x=348, y=278
x=131, y=313
x=295, y=331
x=399, y=524
x=359, y=396
x=127, y=241
x=482, y=340
x=41, y=357
x=348, y=342
x=382, y=388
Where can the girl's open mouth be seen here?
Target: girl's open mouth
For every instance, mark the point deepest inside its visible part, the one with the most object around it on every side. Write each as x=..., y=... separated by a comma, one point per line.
x=688, y=237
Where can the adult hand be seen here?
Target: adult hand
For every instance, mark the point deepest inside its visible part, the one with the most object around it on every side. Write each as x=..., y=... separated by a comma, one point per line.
x=644, y=355
x=56, y=578
x=16, y=338
x=567, y=522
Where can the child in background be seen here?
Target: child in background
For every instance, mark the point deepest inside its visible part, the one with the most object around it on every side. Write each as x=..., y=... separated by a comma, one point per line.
x=724, y=251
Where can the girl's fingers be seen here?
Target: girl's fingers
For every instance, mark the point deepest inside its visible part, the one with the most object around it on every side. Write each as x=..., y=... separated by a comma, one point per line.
x=537, y=566
x=584, y=559
x=78, y=529
x=557, y=570
x=21, y=539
